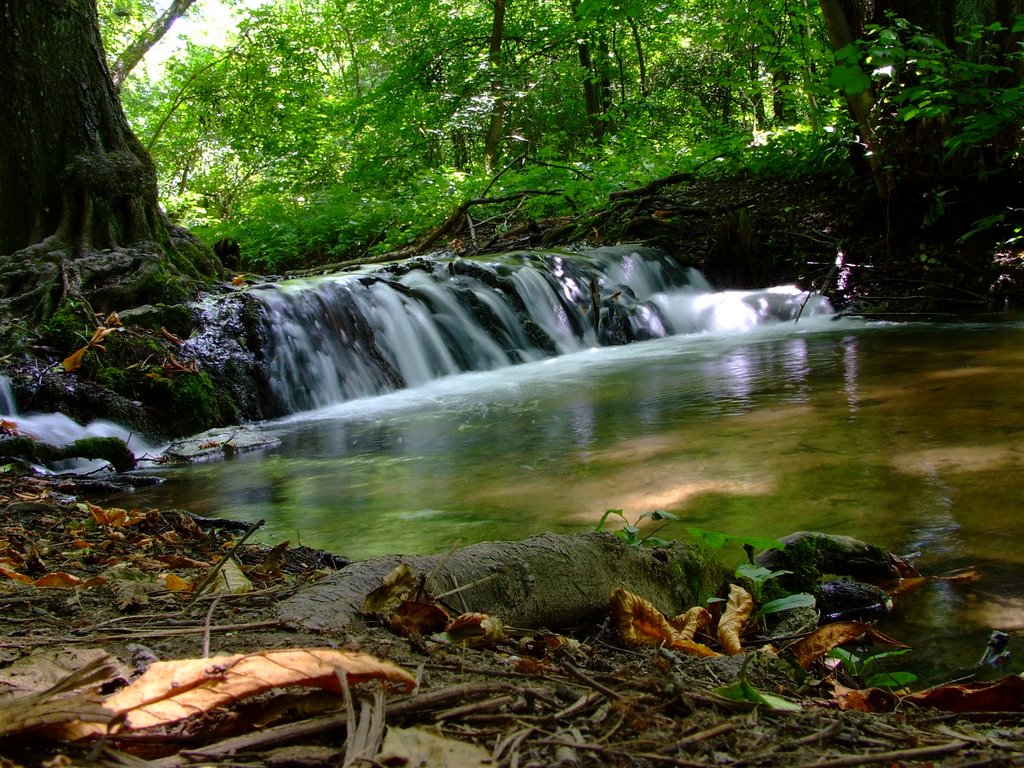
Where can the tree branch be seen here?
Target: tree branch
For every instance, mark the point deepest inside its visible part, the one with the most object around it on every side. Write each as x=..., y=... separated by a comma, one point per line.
x=133, y=54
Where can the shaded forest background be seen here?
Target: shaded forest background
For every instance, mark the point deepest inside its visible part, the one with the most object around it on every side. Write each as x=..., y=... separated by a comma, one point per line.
x=326, y=130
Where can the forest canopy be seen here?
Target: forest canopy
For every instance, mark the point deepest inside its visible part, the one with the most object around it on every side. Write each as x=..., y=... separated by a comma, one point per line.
x=326, y=129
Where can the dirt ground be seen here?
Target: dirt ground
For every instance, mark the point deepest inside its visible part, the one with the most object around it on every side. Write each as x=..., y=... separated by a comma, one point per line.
x=80, y=581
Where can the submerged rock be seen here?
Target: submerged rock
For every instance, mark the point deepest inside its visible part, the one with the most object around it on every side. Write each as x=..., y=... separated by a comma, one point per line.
x=220, y=443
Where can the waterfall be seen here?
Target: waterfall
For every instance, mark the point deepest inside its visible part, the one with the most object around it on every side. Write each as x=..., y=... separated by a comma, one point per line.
x=326, y=340
x=7, y=407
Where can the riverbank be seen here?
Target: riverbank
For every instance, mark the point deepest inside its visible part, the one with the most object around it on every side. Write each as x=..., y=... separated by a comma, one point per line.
x=81, y=582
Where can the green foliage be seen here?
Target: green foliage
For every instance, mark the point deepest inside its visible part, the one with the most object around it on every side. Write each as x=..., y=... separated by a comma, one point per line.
x=743, y=691
x=861, y=665
x=962, y=105
x=757, y=577
x=631, y=532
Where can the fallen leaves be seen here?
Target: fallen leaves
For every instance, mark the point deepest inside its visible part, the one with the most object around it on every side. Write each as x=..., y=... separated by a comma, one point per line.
x=640, y=623
x=75, y=360
x=172, y=691
x=830, y=636
x=734, y=620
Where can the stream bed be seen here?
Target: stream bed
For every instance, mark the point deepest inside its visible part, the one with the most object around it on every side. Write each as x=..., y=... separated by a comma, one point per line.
x=910, y=436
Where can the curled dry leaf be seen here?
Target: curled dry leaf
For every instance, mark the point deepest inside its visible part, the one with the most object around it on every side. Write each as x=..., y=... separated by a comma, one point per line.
x=399, y=586
x=640, y=623
x=824, y=639
x=475, y=630
x=734, y=619
x=170, y=691
x=414, y=618
x=688, y=624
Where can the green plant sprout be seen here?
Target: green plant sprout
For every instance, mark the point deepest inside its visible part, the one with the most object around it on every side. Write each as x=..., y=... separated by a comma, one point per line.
x=630, y=532
x=858, y=664
x=742, y=690
x=758, y=576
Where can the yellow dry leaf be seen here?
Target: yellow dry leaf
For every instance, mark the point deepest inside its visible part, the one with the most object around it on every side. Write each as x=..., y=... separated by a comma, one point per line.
x=733, y=621
x=58, y=580
x=170, y=691
x=475, y=630
x=238, y=280
x=688, y=624
x=74, y=361
x=176, y=583
x=15, y=576
x=638, y=621
x=399, y=586
x=100, y=334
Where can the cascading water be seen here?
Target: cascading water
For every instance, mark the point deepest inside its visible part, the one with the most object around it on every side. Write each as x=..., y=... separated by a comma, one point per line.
x=347, y=336
x=7, y=407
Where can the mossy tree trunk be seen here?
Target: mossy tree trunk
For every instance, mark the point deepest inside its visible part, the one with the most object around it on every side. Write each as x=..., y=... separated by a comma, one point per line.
x=78, y=194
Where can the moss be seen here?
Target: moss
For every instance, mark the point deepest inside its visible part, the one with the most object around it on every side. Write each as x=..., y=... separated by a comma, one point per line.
x=66, y=329
x=186, y=403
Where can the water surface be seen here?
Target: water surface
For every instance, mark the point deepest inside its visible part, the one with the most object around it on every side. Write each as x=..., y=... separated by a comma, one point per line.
x=909, y=436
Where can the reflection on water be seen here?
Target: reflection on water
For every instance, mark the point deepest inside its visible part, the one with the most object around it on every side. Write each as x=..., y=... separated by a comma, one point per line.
x=909, y=437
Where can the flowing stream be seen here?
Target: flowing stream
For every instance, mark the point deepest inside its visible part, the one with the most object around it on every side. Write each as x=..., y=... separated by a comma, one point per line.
x=910, y=436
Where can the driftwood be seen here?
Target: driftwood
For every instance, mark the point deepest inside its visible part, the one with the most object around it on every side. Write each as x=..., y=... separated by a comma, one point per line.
x=547, y=581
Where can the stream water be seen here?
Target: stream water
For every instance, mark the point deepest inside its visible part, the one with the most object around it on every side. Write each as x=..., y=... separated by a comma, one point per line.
x=910, y=436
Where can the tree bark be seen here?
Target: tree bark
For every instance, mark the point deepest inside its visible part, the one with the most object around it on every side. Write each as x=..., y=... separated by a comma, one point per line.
x=78, y=192
x=861, y=104
x=133, y=54
x=546, y=581
x=492, y=144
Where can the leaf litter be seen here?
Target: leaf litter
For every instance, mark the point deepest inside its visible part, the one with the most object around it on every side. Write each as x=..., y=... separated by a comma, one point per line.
x=124, y=661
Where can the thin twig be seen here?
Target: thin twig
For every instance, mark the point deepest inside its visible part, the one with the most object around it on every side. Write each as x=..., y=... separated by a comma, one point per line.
x=198, y=589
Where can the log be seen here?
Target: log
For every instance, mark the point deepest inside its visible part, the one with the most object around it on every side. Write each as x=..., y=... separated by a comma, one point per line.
x=548, y=581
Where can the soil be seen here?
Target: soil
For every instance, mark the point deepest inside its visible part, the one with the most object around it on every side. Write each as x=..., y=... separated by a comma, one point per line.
x=119, y=585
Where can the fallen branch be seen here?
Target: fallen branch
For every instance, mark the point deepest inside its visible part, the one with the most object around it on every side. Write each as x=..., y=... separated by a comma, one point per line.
x=545, y=581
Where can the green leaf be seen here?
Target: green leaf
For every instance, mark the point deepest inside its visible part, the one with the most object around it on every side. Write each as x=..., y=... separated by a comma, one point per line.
x=716, y=540
x=851, y=80
x=891, y=680
x=788, y=603
x=741, y=690
x=604, y=518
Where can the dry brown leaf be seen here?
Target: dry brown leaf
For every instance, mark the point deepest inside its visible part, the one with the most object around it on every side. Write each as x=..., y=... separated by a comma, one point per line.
x=113, y=321
x=170, y=691
x=176, y=583
x=640, y=623
x=824, y=639
x=58, y=580
x=734, y=619
x=475, y=630
x=8, y=427
x=688, y=624
x=238, y=280
x=15, y=576
x=866, y=700
x=1004, y=695
x=74, y=361
x=414, y=618
x=398, y=586
x=419, y=746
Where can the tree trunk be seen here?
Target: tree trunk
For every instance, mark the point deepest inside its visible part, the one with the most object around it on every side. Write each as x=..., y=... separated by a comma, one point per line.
x=641, y=59
x=492, y=144
x=133, y=54
x=840, y=35
x=78, y=192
